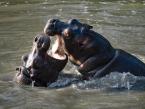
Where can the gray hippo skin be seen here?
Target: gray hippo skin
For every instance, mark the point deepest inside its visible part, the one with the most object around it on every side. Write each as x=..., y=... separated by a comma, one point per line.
x=90, y=51
x=39, y=66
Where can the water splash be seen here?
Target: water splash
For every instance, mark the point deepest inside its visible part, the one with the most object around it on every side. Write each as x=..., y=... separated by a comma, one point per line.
x=113, y=80
x=63, y=81
x=33, y=84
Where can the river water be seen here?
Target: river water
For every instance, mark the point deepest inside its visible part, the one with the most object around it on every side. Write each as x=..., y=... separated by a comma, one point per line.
x=122, y=22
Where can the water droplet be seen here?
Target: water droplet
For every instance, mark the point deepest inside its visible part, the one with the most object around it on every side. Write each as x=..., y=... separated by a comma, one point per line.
x=33, y=83
x=128, y=85
x=133, y=12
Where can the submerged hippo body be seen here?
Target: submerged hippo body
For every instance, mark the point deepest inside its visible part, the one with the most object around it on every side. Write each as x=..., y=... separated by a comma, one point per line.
x=39, y=66
x=90, y=51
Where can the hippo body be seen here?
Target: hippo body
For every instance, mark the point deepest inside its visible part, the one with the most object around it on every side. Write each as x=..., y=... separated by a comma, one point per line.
x=90, y=51
x=39, y=66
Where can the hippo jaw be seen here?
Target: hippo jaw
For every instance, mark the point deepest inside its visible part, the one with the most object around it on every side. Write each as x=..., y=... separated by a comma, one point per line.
x=54, y=27
x=67, y=30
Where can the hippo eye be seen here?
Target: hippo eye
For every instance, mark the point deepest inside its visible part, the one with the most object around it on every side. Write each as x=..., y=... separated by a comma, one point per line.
x=35, y=39
x=17, y=69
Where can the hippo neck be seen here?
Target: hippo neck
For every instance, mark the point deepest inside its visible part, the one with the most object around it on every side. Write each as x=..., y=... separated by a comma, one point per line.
x=100, y=39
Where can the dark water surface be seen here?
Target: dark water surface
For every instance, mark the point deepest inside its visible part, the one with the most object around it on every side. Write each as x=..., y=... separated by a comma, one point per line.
x=122, y=22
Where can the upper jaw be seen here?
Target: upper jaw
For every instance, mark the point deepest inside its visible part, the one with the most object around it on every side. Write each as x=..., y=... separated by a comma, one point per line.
x=54, y=27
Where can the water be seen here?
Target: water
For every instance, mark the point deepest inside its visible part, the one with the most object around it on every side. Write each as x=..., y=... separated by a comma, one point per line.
x=122, y=22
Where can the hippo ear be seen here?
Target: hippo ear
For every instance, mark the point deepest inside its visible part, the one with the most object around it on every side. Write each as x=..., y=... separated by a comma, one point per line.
x=35, y=39
x=87, y=26
x=17, y=69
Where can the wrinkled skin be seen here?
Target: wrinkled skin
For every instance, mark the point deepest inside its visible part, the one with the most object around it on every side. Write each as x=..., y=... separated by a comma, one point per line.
x=38, y=66
x=90, y=51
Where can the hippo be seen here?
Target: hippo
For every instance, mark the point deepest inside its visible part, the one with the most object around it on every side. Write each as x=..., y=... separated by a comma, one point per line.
x=92, y=53
x=39, y=66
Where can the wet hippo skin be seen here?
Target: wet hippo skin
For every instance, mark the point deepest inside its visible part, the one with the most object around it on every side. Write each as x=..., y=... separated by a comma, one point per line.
x=90, y=51
x=39, y=66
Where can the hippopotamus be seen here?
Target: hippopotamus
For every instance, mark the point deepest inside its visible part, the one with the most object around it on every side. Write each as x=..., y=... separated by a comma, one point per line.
x=92, y=53
x=38, y=65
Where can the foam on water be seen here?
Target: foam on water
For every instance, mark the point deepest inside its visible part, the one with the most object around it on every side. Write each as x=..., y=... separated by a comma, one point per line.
x=65, y=80
x=113, y=80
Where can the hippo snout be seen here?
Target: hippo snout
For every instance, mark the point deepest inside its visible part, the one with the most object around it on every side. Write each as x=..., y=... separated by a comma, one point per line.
x=50, y=27
x=54, y=26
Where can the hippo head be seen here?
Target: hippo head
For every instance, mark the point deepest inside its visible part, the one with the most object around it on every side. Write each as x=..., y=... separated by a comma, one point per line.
x=26, y=76
x=22, y=76
x=67, y=29
x=38, y=66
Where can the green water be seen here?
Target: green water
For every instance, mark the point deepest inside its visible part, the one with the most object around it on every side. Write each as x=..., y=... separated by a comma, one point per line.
x=122, y=22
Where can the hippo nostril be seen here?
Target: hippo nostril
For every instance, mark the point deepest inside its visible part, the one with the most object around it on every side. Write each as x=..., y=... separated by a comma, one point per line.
x=53, y=20
x=39, y=45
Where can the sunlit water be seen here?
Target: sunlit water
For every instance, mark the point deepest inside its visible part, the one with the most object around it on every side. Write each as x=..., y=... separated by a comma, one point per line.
x=121, y=22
